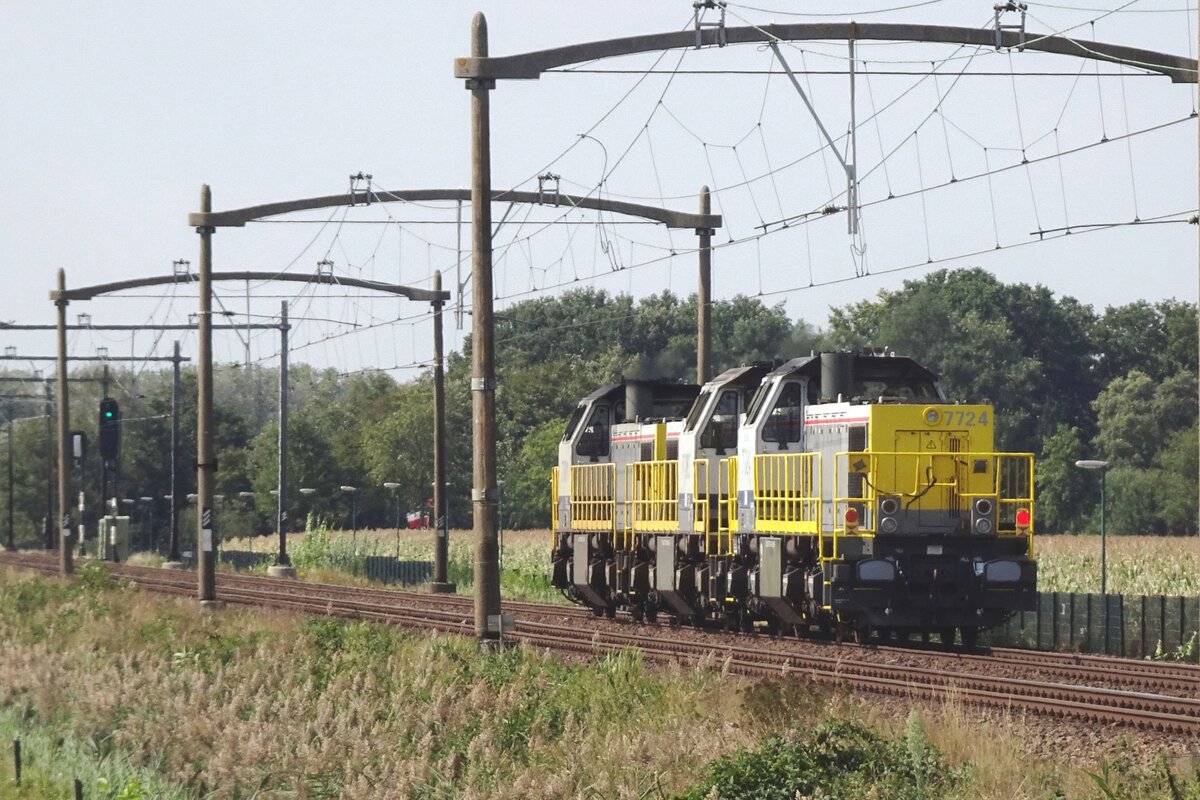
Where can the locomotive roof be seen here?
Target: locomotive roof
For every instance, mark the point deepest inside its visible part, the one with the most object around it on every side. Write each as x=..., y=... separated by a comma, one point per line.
x=865, y=365
x=734, y=373
x=661, y=388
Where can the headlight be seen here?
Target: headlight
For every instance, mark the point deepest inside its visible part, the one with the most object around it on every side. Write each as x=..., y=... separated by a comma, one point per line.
x=888, y=525
x=1003, y=571
x=876, y=569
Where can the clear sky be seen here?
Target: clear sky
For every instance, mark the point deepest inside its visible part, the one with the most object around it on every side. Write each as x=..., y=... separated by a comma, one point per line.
x=113, y=115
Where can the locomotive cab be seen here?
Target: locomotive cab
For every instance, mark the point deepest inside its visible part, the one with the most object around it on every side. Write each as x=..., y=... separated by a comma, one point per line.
x=710, y=434
x=614, y=426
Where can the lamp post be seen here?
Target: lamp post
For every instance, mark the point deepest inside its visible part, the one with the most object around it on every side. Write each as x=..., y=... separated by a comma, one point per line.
x=248, y=498
x=1093, y=464
x=353, y=492
x=307, y=491
x=128, y=503
x=392, y=486
x=149, y=503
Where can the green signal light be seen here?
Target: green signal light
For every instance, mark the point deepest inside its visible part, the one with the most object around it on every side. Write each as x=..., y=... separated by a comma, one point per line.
x=108, y=414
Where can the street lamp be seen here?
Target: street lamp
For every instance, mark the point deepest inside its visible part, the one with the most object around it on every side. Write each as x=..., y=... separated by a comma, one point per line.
x=307, y=491
x=1093, y=464
x=149, y=503
x=392, y=486
x=353, y=492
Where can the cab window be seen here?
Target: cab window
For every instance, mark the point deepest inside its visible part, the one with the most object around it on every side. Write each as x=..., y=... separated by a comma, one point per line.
x=693, y=417
x=573, y=422
x=786, y=420
x=594, y=441
x=721, y=431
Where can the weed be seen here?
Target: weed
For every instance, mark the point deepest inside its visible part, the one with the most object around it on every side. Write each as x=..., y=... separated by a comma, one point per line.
x=1188, y=651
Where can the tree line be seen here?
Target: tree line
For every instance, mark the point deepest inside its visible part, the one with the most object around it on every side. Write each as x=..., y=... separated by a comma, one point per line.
x=1067, y=383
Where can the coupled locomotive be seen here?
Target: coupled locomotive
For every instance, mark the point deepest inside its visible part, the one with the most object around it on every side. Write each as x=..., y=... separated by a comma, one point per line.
x=838, y=493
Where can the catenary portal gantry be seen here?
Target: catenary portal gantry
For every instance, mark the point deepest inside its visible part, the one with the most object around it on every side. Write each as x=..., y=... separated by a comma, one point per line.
x=480, y=73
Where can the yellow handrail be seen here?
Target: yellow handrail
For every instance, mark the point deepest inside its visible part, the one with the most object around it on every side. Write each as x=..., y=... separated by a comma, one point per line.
x=700, y=494
x=728, y=524
x=554, y=500
x=593, y=497
x=652, y=496
x=787, y=492
x=960, y=476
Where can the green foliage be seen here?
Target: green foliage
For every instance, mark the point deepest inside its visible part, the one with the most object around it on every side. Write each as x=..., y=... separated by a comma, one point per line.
x=1187, y=652
x=1120, y=780
x=832, y=759
x=339, y=647
x=1063, y=490
x=1013, y=345
x=324, y=549
x=527, y=478
x=51, y=762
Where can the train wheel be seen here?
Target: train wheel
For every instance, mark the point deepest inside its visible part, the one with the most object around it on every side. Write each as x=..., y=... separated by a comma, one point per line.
x=597, y=611
x=637, y=613
x=610, y=612
x=862, y=634
x=970, y=637
x=651, y=613
x=947, y=636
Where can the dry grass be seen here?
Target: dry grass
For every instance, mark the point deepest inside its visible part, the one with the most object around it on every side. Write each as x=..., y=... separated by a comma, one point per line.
x=265, y=704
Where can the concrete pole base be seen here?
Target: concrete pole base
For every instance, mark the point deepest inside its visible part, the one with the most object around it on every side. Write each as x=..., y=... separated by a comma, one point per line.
x=172, y=565
x=211, y=605
x=437, y=587
x=489, y=645
x=281, y=571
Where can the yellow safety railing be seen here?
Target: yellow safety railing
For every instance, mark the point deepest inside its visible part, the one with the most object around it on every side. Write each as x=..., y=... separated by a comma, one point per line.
x=652, y=496
x=948, y=477
x=554, y=500
x=787, y=492
x=728, y=523
x=594, y=497
x=1014, y=477
x=700, y=494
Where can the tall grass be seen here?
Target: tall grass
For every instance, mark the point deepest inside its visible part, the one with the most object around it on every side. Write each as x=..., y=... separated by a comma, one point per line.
x=1156, y=565
x=250, y=703
x=50, y=764
x=328, y=554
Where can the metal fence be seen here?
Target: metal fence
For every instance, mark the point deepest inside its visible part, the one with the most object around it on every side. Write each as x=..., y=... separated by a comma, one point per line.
x=1134, y=626
x=385, y=569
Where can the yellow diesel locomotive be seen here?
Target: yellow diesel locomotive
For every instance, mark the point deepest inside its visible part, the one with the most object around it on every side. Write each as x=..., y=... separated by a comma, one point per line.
x=838, y=493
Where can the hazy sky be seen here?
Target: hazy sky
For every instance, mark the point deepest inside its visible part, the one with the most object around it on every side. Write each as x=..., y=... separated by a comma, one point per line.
x=113, y=115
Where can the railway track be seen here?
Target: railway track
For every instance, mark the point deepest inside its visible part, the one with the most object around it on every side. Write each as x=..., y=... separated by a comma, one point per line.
x=1170, y=704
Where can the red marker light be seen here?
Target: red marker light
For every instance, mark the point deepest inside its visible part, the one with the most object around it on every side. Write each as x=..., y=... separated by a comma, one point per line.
x=851, y=517
x=1023, y=518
